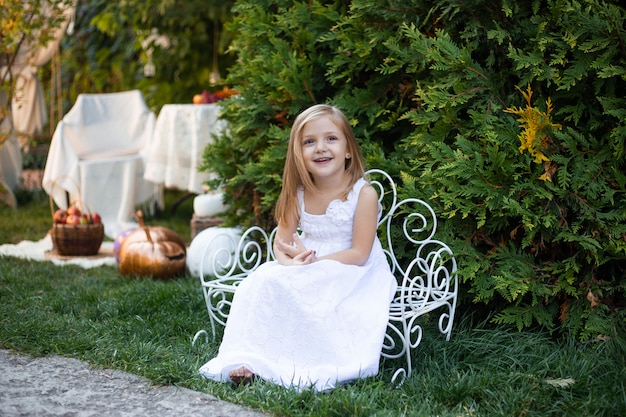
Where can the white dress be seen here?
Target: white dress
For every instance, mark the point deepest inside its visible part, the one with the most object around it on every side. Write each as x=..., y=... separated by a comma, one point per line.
x=311, y=326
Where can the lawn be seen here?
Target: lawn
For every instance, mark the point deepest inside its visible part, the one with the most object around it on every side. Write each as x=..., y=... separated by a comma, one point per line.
x=145, y=327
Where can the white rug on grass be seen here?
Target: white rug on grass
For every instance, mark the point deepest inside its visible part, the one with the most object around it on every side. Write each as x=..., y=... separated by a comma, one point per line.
x=43, y=250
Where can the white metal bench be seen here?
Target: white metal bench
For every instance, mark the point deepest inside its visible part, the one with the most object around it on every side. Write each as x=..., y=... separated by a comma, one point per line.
x=425, y=268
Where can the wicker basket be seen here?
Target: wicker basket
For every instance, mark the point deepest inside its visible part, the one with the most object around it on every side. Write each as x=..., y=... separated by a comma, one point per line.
x=77, y=239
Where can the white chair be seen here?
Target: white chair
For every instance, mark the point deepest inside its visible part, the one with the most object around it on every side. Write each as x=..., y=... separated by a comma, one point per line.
x=425, y=268
x=98, y=154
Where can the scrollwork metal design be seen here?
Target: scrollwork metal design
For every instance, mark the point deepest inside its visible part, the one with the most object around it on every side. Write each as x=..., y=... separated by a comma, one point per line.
x=427, y=279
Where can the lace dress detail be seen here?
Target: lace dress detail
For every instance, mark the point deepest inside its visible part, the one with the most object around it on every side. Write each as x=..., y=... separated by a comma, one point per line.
x=312, y=326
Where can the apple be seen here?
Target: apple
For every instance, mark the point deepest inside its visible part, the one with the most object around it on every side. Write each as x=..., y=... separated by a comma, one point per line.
x=83, y=218
x=60, y=216
x=73, y=210
x=208, y=98
x=72, y=219
x=95, y=218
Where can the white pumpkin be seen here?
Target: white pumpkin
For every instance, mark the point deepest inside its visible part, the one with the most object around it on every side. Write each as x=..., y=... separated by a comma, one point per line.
x=212, y=250
x=209, y=204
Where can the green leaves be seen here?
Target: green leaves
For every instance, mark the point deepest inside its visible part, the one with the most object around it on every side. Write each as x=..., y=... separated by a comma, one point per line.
x=535, y=243
x=425, y=87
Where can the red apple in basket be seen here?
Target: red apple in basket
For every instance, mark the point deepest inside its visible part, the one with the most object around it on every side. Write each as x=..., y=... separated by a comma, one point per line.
x=60, y=216
x=84, y=218
x=72, y=219
x=95, y=218
x=73, y=210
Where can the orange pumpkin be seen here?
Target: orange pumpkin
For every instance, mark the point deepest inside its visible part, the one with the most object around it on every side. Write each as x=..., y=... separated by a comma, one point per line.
x=152, y=251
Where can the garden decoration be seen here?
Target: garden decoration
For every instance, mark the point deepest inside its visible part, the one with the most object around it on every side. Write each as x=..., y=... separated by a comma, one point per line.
x=153, y=251
x=75, y=231
x=425, y=268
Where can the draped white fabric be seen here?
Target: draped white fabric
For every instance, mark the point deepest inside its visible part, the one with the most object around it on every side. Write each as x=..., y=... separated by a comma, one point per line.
x=182, y=131
x=28, y=104
x=10, y=158
x=97, y=155
x=28, y=108
x=11, y=163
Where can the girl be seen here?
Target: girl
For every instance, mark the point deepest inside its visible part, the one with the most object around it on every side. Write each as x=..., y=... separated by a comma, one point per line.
x=316, y=317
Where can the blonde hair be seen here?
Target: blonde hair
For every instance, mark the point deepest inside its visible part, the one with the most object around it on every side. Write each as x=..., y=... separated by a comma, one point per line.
x=295, y=174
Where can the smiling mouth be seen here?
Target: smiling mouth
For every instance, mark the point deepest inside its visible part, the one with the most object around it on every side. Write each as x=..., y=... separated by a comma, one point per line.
x=322, y=159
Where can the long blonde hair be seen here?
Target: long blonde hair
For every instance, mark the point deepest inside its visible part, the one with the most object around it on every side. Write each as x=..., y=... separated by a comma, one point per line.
x=295, y=174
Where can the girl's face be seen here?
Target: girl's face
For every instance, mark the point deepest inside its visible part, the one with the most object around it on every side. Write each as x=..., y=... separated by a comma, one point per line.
x=324, y=148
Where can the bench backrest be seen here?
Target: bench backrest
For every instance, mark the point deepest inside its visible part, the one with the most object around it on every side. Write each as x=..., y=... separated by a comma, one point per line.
x=406, y=229
x=425, y=268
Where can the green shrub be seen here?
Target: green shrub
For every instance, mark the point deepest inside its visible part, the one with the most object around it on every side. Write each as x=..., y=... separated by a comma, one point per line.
x=284, y=50
x=542, y=223
x=436, y=94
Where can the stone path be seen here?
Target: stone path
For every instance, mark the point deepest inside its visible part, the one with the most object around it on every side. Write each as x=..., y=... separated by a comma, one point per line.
x=58, y=386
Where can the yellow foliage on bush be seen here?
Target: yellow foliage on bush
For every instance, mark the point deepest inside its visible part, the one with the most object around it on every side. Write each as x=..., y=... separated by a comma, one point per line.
x=536, y=125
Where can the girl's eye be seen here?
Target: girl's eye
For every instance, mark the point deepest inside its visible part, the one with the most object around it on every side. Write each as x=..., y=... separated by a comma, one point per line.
x=331, y=138
x=307, y=141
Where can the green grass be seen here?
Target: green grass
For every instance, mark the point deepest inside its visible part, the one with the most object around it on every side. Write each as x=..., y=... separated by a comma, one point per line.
x=145, y=327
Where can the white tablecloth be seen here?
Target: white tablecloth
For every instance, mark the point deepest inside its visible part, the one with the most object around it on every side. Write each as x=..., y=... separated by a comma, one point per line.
x=181, y=133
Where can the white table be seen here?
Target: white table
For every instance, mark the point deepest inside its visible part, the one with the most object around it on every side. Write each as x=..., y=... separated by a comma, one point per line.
x=181, y=133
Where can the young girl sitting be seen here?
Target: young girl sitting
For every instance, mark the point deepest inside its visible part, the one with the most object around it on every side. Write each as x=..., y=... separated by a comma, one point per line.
x=316, y=317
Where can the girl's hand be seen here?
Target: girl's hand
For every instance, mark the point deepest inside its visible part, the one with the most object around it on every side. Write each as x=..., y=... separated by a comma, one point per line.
x=292, y=249
x=295, y=251
x=305, y=258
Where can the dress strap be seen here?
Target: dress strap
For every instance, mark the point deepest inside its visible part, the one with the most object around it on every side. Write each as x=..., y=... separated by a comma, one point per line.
x=354, y=195
x=300, y=195
x=356, y=188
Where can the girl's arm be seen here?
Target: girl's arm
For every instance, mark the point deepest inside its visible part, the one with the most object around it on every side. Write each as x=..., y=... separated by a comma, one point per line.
x=289, y=250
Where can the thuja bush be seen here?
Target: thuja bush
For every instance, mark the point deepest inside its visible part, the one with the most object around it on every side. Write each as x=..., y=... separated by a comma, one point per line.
x=509, y=118
x=284, y=51
x=519, y=137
